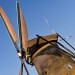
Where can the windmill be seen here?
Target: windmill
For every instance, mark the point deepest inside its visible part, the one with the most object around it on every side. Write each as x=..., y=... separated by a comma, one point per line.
x=43, y=52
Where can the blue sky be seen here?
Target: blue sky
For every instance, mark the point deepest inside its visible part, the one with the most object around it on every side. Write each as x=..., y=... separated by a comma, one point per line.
x=60, y=15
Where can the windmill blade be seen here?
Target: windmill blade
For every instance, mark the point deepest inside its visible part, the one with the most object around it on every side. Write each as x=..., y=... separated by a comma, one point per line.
x=21, y=70
x=22, y=30
x=8, y=25
x=26, y=68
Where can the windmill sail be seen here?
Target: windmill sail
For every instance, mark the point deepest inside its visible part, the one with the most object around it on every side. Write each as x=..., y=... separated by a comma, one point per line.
x=22, y=30
x=8, y=25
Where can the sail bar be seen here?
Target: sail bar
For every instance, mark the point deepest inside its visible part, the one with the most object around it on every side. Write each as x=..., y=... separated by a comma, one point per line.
x=8, y=25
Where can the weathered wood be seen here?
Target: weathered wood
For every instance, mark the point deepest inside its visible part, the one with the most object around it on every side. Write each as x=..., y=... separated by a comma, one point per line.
x=48, y=37
x=52, y=61
x=33, y=46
